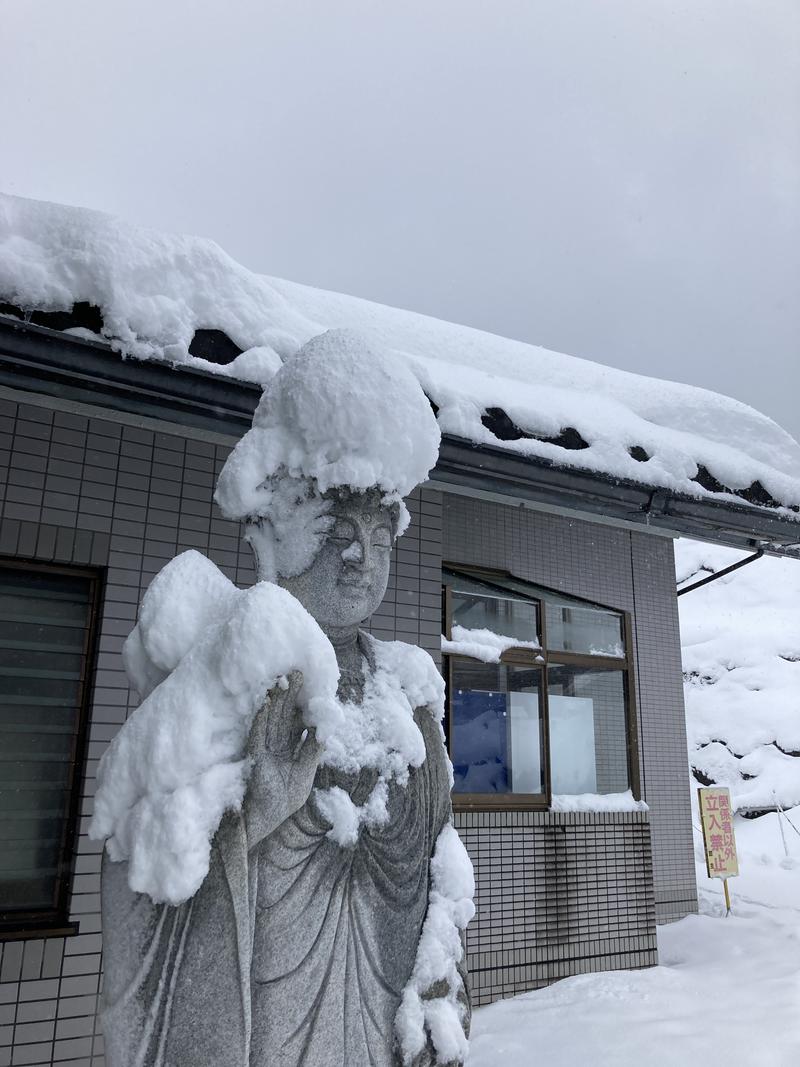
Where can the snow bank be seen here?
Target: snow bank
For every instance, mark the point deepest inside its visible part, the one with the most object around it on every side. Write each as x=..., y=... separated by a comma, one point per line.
x=154, y=291
x=746, y=965
x=431, y=1003
x=725, y=993
x=484, y=645
x=741, y=660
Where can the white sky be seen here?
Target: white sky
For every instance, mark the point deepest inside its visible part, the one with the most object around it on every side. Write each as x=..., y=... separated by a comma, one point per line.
x=619, y=179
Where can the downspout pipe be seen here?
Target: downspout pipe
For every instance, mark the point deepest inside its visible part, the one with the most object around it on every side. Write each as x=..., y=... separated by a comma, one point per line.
x=723, y=572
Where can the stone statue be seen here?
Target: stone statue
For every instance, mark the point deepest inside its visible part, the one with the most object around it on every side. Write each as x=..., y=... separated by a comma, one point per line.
x=303, y=943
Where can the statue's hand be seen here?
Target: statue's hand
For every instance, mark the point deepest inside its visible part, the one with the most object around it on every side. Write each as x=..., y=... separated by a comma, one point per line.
x=284, y=755
x=441, y=990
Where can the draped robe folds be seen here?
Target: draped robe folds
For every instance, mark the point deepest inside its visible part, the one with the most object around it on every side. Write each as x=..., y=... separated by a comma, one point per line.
x=294, y=954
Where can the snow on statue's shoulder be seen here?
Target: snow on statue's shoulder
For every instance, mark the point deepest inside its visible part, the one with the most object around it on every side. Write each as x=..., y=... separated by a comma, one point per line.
x=185, y=597
x=380, y=732
x=416, y=672
x=177, y=765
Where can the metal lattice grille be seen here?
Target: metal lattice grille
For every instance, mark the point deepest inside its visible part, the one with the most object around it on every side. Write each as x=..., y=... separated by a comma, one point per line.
x=45, y=618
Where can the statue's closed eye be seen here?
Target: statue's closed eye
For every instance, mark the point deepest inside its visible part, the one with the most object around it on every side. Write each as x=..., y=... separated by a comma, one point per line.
x=343, y=533
x=382, y=538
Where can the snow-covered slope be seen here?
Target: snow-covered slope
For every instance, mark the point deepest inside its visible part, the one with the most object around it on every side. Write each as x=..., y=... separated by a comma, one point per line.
x=741, y=661
x=155, y=290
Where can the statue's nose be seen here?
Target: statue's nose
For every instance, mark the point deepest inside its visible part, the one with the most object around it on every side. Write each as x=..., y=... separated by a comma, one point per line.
x=355, y=554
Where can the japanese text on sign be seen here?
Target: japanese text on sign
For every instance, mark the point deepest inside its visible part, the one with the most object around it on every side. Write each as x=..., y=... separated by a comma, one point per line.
x=716, y=816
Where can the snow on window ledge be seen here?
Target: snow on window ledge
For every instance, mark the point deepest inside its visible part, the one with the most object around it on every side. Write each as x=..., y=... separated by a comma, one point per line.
x=484, y=645
x=597, y=802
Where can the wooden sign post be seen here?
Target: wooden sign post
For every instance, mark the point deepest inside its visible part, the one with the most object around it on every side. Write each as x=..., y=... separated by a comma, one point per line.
x=716, y=818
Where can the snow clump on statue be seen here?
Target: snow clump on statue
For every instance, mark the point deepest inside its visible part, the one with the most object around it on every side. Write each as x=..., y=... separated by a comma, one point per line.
x=203, y=655
x=439, y=956
x=339, y=415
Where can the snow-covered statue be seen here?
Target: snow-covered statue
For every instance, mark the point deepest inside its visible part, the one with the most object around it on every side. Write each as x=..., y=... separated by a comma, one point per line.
x=282, y=883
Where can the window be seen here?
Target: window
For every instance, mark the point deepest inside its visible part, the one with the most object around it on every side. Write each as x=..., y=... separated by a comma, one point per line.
x=46, y=617
x=496, y=728
x=540, y=692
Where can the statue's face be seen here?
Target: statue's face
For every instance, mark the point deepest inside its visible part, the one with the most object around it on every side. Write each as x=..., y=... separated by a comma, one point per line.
x=347, y=580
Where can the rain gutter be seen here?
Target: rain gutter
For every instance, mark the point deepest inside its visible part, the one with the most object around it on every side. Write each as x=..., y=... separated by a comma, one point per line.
x=63, y=369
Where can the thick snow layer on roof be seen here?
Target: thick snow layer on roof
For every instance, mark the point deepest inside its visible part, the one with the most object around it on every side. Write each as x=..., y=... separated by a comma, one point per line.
x=741, y=660
x=155, y=290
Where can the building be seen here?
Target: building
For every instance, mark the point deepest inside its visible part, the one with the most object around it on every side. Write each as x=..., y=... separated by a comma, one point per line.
x=549, y=520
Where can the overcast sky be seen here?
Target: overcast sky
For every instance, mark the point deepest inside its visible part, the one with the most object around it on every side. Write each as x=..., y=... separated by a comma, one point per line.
x=617, y=179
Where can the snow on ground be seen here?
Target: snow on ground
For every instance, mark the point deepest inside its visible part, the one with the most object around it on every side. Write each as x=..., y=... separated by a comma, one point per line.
x=726, y=991
x=154, y=290
x=741, y=659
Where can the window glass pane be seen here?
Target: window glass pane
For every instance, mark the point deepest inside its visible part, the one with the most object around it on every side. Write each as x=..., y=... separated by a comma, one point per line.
x=496, y=728
x=476, y=606
x=43, y=622
x=588, y=730
x=576, y=627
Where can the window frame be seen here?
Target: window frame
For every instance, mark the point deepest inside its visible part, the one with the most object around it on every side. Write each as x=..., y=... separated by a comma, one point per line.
x=21, y=925
x=522, y=657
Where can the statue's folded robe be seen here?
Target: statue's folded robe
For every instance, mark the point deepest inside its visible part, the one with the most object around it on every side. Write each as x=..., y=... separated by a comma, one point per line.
x=295, y=953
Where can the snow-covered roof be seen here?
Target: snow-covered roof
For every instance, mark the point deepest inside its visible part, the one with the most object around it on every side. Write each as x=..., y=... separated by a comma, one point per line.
x=155, y=293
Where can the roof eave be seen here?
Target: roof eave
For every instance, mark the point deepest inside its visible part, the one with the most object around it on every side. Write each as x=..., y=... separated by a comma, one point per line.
x=588, y=494
x=38, y=360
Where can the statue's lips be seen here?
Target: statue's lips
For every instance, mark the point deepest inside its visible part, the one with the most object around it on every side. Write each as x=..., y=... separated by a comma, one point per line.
x=356, y=584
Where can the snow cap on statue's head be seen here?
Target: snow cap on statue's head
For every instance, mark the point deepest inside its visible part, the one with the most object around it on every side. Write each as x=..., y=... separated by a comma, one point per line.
x=340, y=413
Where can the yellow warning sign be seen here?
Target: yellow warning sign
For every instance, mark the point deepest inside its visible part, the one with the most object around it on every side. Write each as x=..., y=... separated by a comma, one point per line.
x=716, y=816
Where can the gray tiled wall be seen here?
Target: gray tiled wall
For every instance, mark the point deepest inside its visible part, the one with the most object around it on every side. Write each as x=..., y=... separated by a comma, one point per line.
x=100, y=492
x=103, y=492
x=633, y=572
x=557, y=894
